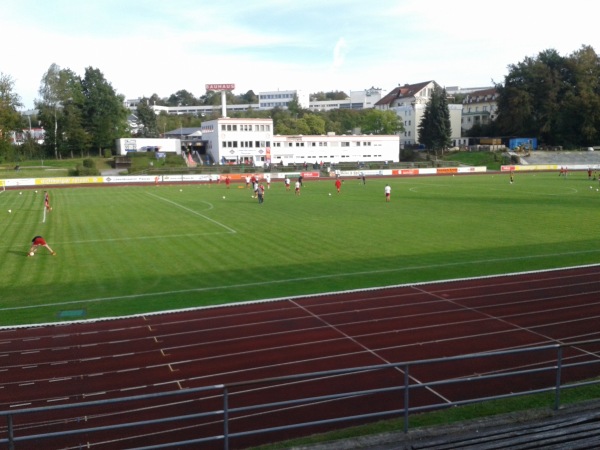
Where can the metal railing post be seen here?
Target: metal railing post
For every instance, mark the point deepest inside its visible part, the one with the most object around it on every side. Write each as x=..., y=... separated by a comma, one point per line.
x=559, y=357
x=225, y=418
x=406, y=397
x=11, y=432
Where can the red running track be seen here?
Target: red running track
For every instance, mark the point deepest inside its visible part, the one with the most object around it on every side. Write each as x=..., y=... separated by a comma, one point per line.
x=70, y=363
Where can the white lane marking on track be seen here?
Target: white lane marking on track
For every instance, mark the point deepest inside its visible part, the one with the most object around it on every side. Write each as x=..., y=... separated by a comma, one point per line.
x=367, y=349
x=479, y=335
x=231, y=230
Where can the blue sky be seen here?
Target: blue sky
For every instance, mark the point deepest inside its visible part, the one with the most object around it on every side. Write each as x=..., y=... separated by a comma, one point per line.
x=155, y=46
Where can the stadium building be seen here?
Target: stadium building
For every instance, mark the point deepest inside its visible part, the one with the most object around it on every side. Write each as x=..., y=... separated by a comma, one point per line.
x=251, y=141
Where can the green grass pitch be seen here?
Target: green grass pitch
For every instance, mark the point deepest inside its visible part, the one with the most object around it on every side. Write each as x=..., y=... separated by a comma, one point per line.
x=128, y=250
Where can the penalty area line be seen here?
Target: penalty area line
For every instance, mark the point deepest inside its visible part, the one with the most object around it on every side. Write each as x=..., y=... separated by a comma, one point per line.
x=231, y=230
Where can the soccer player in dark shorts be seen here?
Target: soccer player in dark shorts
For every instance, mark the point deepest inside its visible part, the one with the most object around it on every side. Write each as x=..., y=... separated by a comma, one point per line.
x=36, y=242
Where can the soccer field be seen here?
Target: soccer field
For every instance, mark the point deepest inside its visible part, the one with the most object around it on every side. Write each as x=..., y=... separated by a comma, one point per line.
x=128, y=250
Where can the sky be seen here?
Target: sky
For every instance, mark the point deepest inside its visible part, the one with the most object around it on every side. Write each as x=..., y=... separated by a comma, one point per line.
x=146, y=47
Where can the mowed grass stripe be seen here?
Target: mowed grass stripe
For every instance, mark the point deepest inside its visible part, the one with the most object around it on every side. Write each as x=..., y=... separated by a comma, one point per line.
x=166, y=247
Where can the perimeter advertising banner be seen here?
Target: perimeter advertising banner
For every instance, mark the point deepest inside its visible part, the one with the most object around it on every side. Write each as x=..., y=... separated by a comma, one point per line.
x=130, y=179
x=194, y=177
x=549, y=167
x=68, y=180
x=447, y=170
x=310, y=174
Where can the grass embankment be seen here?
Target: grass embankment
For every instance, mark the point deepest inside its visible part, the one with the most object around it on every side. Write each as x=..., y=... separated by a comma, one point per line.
x=49, y=168
x=491, y=160
x=538, y=402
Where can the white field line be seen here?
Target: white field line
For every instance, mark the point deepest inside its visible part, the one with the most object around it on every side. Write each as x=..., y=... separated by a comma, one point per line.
x=96, y=241
x=311, y=278
x=231, y=230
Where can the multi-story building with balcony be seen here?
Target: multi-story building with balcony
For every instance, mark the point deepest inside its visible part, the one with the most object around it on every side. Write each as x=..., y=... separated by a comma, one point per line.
x=479, y=108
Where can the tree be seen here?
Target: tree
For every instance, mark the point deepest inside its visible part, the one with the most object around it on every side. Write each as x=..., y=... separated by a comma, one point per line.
x=316, y=124
x=294, y=107
x=74, y=137
x=332, y=95
x=61, y=114
x=375, y=121
x=10, y=119
x=104, y=115
x=342, y=121
x=147, y=119
x=249, y=97
x=182, y=98
x=210, y=98
x=156, y=100
x=434, y=130
x=580, y=107
x=553, y=98
x=50, y=93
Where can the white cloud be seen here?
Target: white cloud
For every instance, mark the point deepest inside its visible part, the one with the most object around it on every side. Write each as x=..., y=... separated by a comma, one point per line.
x=339, y=53
x=146, y=47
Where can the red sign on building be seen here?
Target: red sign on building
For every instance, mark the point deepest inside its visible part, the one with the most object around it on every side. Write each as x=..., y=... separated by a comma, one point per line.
x=220, y=87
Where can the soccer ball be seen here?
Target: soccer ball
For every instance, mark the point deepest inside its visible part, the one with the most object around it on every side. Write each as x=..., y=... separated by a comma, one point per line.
x=9, y=211
x=31, y=253
x=330, y=194
x=223, y=197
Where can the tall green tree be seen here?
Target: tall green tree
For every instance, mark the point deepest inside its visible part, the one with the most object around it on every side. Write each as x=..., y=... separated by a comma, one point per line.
x=147, y=120
x=580, y=107
x=553, y=98
x=50, y=97
x=435, y=131
x=60, y=107
x=104, y=115
x=10, y=119
x=294, y=107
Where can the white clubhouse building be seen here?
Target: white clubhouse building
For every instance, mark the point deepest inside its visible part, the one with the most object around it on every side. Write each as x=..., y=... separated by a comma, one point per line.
x=251, y=141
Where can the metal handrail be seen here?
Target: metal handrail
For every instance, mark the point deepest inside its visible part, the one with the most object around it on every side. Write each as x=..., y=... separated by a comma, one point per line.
x=556, y=365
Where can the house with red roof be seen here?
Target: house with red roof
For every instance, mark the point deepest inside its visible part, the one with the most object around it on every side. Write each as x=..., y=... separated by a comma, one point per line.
x=408, y=102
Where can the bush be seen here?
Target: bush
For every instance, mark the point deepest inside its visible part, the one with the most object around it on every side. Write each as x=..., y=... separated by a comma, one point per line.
x=89, y=163
x=82, y=171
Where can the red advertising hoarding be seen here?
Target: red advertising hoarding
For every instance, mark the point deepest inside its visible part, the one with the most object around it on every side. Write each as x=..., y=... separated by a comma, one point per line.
x=220, y=87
